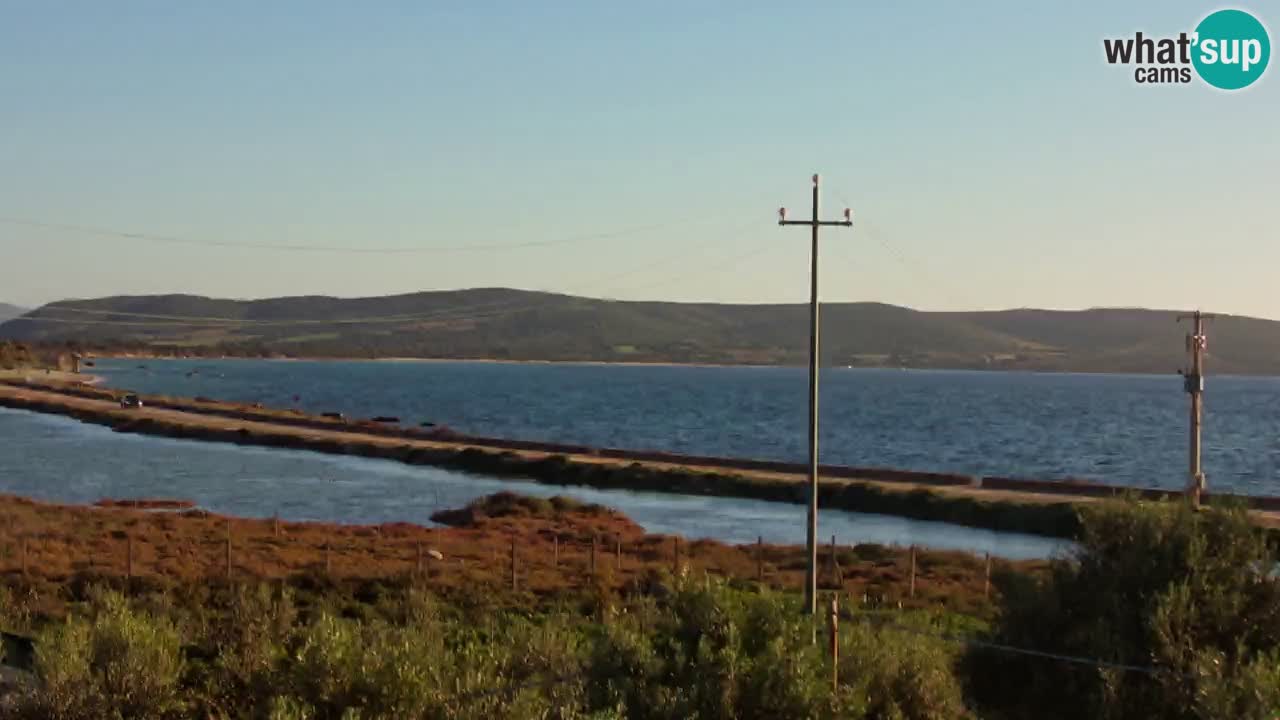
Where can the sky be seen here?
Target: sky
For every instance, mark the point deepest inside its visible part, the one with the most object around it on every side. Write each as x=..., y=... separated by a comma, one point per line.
x=629, y=150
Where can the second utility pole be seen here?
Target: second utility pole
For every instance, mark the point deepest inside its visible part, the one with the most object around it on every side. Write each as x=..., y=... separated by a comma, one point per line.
x=811, y=572
x=1193, y=383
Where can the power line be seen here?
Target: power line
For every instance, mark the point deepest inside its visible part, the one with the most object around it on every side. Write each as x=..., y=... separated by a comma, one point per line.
x=729, y=263
x=935, y=279
x=463, y=313
x=1014, y=650
x=172, y=239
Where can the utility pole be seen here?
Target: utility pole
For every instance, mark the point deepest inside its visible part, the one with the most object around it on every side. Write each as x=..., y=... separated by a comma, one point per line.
x=1193, y=383
x=811, y=572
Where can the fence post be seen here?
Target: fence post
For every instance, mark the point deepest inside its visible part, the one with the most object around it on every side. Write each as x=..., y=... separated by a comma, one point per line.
x=986, y=582
x=418, y=564
x=834, y=627
x=593, y=557
x=760, y=559
x=328, y=566
x=618, y=550
x=228, y=548
x=275, y=522
x=128, y=556
x=837, y=577
x=675, y=556
x=513, y=566
x=555, y=550
x=912, y=591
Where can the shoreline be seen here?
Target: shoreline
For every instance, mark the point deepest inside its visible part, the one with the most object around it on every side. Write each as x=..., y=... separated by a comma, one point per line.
x=657, y=363
x=1046, y=508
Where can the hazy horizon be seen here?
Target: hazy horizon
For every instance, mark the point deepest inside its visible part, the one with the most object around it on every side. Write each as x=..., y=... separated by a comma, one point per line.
x=992, y=157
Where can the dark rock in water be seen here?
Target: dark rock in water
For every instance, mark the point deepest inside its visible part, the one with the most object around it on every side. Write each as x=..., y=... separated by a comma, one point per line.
x=386, y=419
x=333, y=415
x=145, y=503
x=426, y=423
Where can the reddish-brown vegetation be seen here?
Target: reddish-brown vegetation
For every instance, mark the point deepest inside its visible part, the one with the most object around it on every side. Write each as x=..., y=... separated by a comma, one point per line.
x=551, y=540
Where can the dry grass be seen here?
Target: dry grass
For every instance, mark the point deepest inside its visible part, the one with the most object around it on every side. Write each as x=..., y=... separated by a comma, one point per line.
x=64, y=544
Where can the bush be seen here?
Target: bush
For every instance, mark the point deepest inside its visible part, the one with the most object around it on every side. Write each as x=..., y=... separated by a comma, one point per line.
x=1185, y=594
x=384, y=671
x=118, y=664
x=897, y=675
x=714, y=653
x=246, y=645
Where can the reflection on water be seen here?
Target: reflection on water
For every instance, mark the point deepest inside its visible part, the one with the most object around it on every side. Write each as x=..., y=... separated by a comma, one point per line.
x=60, y=459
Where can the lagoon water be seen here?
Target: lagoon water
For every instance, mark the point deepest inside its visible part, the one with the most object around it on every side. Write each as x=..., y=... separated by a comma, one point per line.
x=59, y=459
x=1120, y=429
x=1125, y=430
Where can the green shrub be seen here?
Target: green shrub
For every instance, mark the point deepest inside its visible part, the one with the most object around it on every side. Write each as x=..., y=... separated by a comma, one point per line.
x=1181, y=592
x=245, y=646
x=386, y=672
x=118, y=664
x=712, y=653
x=898, y=675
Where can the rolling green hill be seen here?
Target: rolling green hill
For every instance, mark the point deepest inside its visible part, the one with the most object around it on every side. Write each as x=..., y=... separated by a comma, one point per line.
x=522, y=325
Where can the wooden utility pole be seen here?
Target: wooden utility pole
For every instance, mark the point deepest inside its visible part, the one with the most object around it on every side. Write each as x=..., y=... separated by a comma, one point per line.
x=811, y=572
x=1193, y=383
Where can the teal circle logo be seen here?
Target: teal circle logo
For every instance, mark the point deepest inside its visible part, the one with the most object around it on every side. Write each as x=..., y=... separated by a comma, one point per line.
x=1232, y=49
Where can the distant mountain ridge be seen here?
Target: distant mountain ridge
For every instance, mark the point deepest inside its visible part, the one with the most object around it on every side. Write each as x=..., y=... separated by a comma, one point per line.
x=8, y=311
x=499, y=323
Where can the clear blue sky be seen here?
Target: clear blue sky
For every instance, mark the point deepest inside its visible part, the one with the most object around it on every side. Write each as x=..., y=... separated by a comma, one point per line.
x=991, y=156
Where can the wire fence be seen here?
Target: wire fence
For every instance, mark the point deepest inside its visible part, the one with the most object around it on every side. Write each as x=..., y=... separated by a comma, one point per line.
x=52, y=543
x=257, y=550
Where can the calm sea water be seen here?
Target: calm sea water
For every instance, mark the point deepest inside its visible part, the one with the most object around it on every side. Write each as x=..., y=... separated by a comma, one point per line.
x=60, y=459
x=1121, y=429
